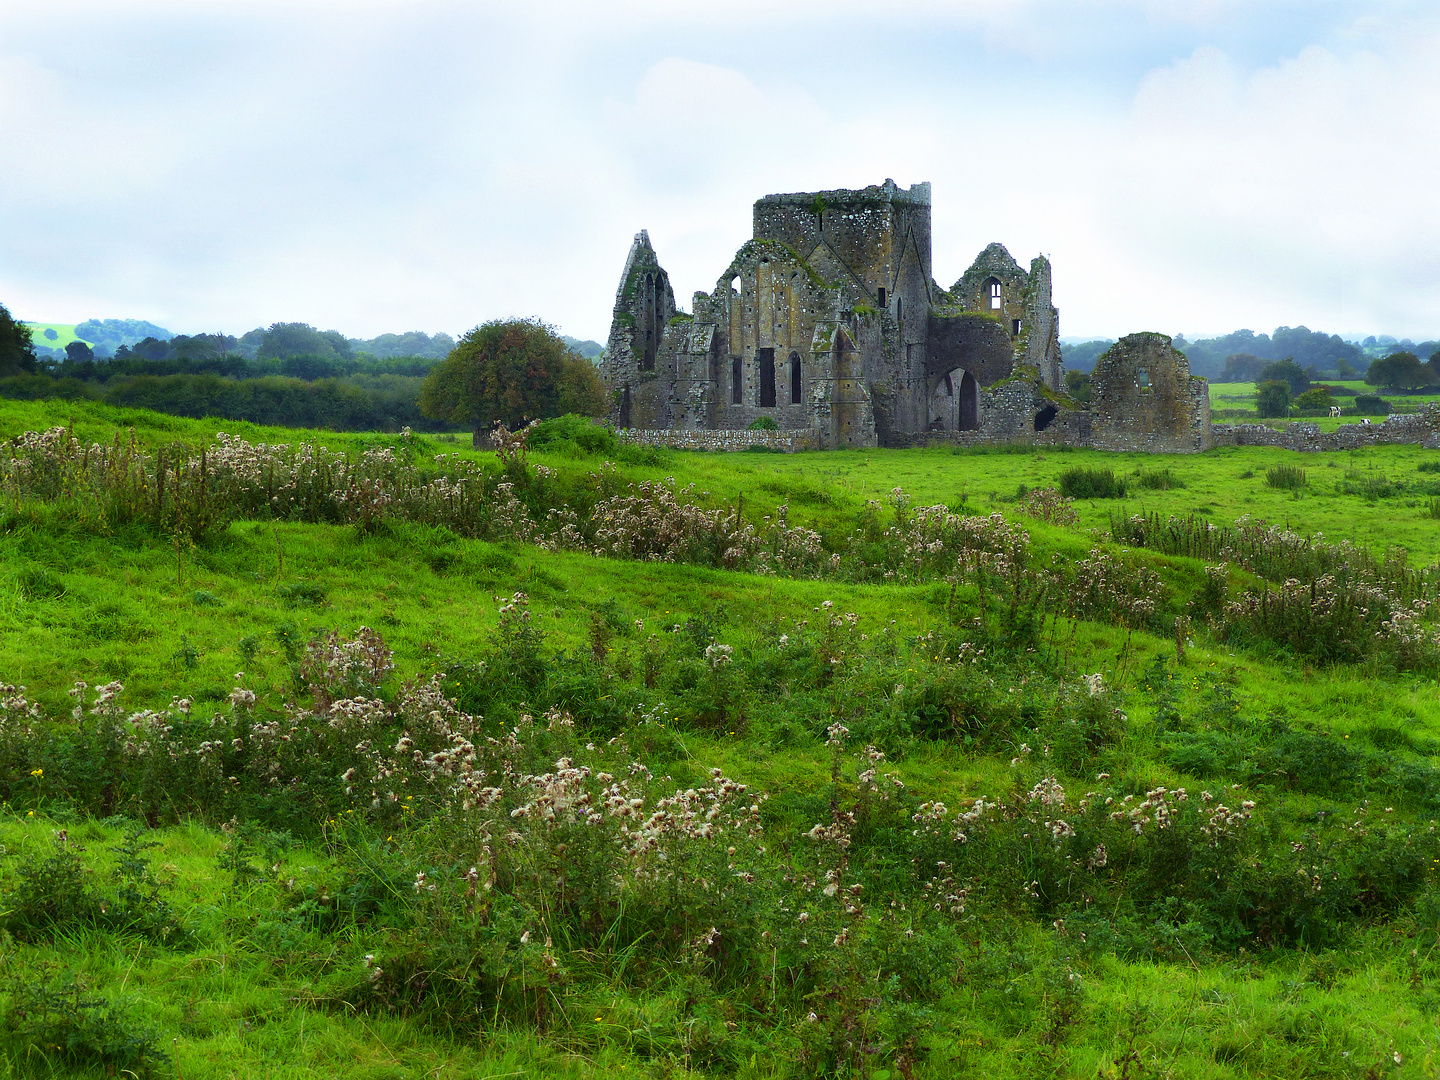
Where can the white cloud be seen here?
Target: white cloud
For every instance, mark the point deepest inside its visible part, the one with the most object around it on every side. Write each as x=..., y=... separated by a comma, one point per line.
x=430, y=165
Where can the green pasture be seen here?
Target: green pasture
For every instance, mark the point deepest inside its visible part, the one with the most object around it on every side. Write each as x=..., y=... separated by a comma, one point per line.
x=64, y=333
x=256, y=992
x=1241, y=396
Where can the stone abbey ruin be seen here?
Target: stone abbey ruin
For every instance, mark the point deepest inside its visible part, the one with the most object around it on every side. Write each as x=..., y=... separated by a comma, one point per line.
x=829, y=323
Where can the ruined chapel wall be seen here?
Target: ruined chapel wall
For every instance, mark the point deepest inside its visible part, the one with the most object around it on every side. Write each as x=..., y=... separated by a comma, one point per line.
x=778, y=307
x=866, y=229
x=1143, y=397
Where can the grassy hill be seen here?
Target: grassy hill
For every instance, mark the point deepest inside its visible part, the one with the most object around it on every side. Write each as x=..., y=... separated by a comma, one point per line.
x=64, y=334
x=409, y=887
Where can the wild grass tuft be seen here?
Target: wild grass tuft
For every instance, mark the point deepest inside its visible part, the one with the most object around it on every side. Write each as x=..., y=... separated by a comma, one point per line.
x=1285, y=477
x=1082, y=482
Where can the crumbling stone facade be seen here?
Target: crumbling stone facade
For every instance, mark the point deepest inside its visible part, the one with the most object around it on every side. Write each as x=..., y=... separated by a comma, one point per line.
x=829, y=322
x=1143, y=397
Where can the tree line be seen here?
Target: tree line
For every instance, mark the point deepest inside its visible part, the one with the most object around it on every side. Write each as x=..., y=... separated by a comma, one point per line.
x=510, y=371
x=1242, y=355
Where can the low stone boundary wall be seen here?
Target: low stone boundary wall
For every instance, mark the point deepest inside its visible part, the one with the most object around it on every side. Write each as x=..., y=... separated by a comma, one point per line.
x=789, y=441
x=1420, y=429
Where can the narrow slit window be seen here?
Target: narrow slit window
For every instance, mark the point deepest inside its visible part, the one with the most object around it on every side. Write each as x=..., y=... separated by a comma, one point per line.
x=767, y=378
x=882, y=298
x=735, y=373
x=1014, y=327
x=794, y=378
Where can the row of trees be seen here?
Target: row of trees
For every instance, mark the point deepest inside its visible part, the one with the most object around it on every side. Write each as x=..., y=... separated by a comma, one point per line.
x=511, y=371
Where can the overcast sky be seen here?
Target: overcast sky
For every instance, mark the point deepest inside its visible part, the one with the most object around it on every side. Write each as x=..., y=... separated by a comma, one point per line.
x=1190, y=166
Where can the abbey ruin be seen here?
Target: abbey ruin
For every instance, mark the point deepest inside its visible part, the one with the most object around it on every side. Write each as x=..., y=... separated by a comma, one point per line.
x=829, y=323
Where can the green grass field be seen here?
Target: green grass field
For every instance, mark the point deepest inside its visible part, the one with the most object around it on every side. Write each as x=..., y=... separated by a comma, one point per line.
x=1090, y=972
x=64, y=334
x=1241, y=396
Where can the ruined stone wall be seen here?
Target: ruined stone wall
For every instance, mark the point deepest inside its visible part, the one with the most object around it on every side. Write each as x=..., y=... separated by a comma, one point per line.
x=789, y=441
x=1014, y=411
x=781, y=313
x=633, y=371
x=974, y=340
x=866, y=230
x=1039, y=338
x=1420, y=429
x=1143, y=397
x=1025, y=308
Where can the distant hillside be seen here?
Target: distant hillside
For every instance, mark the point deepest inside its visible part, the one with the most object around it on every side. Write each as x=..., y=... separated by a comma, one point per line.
x=590, y=349
x=1081, y=355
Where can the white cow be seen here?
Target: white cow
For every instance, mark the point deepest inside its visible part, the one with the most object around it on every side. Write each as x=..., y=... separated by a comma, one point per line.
x=1365, y=422
x=1334, y=410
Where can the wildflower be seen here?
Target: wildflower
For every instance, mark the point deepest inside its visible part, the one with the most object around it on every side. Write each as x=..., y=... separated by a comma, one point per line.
x=37, y=772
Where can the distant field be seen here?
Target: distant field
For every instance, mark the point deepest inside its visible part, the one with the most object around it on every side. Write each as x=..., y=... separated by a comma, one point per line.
x=64, y=333
x=1225, y=396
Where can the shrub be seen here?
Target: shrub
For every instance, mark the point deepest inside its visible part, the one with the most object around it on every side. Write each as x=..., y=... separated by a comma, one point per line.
x=1272, y=399
x=1158, y=480
x=572, y=430
x=763, y=423
x=1285, y=477
x=1371, y=405
x=1368, y=484
x=56, y=1018
x=1316, y=399
x=1084, y=483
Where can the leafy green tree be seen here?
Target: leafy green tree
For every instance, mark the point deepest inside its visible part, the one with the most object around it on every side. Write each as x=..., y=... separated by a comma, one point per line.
x=1399, y=370
x=1272, y=398
x=1242, y=367
x=1318, y=397
x=17, y=348
x=1288, y=372
x=284, y=340
x=513, y=371
x=78, y=352
x=1077, y=385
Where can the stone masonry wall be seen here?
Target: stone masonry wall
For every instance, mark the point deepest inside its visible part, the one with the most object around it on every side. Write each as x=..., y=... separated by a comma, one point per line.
x=1420, y=429
x=789, y=441
x=1143, y=397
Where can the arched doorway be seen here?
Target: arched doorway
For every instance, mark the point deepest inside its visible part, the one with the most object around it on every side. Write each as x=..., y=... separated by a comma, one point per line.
x=969, y=410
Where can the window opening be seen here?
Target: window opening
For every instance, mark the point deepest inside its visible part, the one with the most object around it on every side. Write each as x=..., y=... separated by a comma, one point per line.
x=899, y=309
x=767, y=378
x=1014, y=327
x=995, y=297
x=625, y=408
x=882, y=298
x=1142, y=378
x=794, y=378
x=735, y=371
x=1044, y=416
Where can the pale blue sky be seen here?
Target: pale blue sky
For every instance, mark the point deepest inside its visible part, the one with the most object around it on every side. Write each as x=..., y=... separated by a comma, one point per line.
x=1189, y=166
